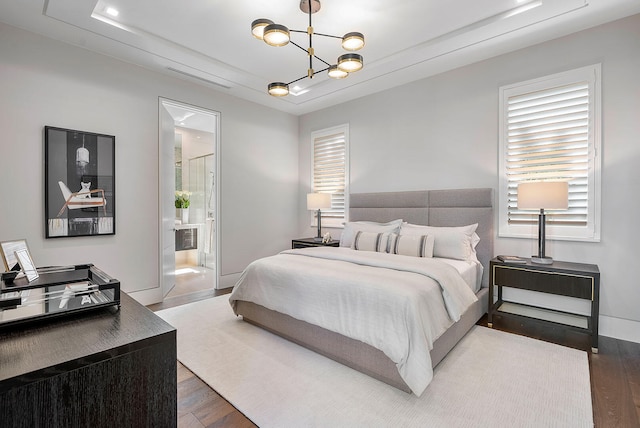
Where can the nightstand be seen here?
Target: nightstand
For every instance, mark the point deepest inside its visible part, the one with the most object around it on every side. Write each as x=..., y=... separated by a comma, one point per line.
x=311, y=242
x=576, y=280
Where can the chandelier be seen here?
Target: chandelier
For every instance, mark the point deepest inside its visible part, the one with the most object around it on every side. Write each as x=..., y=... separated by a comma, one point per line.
x=279, y=35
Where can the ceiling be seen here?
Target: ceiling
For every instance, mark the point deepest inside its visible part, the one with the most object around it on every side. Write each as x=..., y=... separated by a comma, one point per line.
x=209, y=42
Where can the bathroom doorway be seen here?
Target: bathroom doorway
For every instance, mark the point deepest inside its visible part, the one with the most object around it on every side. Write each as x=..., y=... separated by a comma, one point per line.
x=190, y=194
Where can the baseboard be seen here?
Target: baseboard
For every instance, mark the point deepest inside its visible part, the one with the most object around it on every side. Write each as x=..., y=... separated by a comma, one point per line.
x=619, y=328
x=229, y=280
x=147, y=297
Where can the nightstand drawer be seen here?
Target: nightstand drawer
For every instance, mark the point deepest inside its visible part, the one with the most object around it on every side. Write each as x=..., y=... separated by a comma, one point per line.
x=563, y=284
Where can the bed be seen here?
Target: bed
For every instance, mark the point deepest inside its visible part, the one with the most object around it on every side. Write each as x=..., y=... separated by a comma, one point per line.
x=437, y=208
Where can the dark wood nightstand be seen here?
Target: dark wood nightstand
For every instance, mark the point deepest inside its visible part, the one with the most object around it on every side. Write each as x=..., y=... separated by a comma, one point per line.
x=576, y=280
x=311, y=242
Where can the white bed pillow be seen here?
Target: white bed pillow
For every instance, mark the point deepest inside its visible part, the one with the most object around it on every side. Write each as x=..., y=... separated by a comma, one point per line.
x=370, y=241
x=450, y=242
x=350, y=229
x=411, y=245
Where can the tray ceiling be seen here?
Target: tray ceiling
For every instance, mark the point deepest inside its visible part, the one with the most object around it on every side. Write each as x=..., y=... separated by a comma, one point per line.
x=209, y=41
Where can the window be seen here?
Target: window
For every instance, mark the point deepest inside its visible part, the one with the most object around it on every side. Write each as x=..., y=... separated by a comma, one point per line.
x=550, y=130
x=330, y=172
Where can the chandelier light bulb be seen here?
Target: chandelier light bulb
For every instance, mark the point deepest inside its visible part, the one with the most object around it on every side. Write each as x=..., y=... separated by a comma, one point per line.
x=335, y=73
x=257, y=27
x=278, y=89
x=350, y=62
x=353, y=41
x=276, y=35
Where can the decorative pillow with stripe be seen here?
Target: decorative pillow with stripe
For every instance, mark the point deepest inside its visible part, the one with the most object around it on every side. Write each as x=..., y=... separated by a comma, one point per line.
x=350, y=229
x=370, y=241
x=411, y=245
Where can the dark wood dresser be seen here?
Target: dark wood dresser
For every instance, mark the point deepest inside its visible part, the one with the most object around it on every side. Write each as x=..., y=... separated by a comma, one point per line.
x=107, y=368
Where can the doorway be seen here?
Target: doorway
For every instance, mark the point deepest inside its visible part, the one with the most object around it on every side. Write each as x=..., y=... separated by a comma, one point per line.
x=188, y=170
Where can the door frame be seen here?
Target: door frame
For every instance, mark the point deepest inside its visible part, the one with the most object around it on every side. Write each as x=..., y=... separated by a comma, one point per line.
x=161, y=199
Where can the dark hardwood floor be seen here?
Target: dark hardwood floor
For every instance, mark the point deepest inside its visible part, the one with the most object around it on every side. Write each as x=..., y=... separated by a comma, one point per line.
x=615, y=378
x=198, y=404
x=201, y=406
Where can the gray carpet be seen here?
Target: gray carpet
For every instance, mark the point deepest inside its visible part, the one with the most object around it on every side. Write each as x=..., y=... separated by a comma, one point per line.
x=490, y=379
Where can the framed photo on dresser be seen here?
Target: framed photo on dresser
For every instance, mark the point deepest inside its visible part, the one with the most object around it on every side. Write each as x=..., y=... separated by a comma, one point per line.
x=8, y=250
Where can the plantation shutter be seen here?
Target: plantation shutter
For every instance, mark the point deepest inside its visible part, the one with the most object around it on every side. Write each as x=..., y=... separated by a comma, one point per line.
x=548, y=138
x=329, y=173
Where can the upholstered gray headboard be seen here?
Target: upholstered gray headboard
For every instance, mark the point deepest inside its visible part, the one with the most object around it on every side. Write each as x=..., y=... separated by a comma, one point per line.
x=454, y=207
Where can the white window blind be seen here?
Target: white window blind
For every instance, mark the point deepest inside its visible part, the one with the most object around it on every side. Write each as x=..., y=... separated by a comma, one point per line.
x=329, y=173
x=549, y=132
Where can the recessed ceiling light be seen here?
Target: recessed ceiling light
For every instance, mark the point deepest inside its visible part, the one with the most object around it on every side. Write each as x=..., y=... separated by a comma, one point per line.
x=112, y=11
x=521, y=9
x=297, y=90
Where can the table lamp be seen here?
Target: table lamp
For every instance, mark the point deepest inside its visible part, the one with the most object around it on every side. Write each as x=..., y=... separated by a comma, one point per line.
x=317, y=201
x=543, y=195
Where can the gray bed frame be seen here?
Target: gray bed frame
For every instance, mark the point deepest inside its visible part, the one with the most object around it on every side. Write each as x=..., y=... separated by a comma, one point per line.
x=456, y=207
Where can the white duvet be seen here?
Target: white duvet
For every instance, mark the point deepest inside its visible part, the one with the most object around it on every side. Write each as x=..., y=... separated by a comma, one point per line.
x=397, y=304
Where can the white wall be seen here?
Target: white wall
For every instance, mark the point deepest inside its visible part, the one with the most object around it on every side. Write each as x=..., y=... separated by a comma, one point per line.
x=44, y=82
x=442, y=132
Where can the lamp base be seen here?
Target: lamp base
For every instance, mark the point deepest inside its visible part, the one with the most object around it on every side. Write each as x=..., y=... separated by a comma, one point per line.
x=541, y=260
x=317, y=239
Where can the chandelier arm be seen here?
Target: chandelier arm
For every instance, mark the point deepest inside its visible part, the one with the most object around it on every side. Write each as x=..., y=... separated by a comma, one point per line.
x=320, y=59
x=297, y=80
x=316, y=34
x=304, y=77
x=325, y=35
x=297, y=45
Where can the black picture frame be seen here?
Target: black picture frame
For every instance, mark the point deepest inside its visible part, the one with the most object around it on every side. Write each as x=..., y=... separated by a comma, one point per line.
x=79, y=183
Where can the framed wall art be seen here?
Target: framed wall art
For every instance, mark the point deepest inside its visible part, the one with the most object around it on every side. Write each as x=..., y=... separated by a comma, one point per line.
x=79, y=183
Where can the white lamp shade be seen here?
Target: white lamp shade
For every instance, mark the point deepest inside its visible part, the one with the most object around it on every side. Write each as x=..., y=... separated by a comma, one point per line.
x=318, y=201
x=543, y=194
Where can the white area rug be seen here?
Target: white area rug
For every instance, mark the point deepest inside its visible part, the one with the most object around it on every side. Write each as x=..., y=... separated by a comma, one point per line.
x=490, y=379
